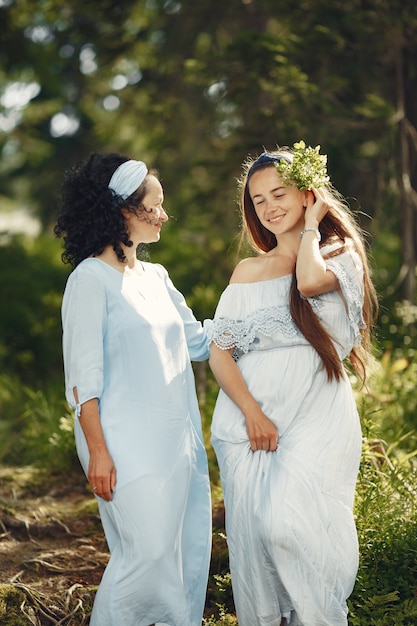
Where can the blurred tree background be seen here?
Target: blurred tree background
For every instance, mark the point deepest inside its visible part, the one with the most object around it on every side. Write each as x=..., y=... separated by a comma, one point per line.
x=192, y=88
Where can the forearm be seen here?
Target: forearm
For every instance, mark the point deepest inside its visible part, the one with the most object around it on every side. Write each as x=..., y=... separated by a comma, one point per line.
x=262, y=432
x=101, y=468
x=89, y=419
x=230, y=379
x=312, y=276
x=310, y=268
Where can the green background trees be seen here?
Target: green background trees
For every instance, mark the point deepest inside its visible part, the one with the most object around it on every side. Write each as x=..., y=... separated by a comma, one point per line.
x=193, y=89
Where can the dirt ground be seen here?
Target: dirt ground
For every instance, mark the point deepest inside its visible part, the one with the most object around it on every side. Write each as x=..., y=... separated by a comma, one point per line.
x=52, y=548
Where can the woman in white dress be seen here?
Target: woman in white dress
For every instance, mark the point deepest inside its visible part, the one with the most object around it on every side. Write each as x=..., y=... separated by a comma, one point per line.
x=128, y=338
x=285, y=428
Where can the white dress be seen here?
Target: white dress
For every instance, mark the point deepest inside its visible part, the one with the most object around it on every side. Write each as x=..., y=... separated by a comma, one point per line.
x=290, y=528
x=128, y=340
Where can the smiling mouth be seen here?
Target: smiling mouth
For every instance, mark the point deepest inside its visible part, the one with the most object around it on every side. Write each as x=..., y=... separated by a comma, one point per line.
x=275, y=220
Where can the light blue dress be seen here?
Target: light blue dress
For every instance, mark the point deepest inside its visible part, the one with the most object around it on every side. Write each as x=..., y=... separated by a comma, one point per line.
x=290, y=529
x=128, y=339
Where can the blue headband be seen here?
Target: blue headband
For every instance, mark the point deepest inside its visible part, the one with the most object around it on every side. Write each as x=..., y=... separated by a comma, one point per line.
x=265, y=158
x=128, y=177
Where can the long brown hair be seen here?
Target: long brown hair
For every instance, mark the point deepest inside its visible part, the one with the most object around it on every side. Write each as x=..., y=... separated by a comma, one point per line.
x=337, y=225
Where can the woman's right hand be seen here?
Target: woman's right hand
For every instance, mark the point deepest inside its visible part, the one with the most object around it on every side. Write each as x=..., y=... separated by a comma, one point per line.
x=101, y=469
x=102, y=474
x=262, y=432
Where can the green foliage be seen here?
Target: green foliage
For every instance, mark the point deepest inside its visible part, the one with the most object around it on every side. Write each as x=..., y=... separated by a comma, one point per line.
x=136, y=78
x=386, y=610
x=385, y=510
x=308, y=169
x=47, y=437
x=11, y=600
x=397, y=328
x=37, y=427
x=193, y=94
x=11, y=403
x=391, y=399
x=386, y=499
x=223, y=619
x=219, y=592
x=32, y=280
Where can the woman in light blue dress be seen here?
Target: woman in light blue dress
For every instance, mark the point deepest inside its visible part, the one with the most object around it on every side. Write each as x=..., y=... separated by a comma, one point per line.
x=128, y=339
x=285, y=427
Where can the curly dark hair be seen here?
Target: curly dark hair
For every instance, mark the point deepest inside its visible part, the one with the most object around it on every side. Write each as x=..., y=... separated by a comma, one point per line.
x=90, y=216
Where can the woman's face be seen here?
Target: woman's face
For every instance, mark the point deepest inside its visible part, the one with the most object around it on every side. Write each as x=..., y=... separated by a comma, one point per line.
x=279, y=208
x=145, y=227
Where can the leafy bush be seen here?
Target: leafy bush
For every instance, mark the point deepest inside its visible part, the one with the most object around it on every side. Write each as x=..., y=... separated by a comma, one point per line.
x=38, y=428
x=385, y=507
x=32, y=280
x=391, y=397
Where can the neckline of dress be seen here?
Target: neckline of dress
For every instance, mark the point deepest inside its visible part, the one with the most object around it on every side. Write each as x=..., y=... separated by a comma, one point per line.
x=261, y=282
x=140, y=263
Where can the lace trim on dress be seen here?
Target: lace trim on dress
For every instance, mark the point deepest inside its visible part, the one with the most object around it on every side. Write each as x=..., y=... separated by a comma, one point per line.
x=228, y=333
x=239, y=334
x=352, y=292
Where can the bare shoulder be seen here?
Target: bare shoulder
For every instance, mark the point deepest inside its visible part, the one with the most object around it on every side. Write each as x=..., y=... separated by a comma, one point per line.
x=247, y=271
x=264, y=267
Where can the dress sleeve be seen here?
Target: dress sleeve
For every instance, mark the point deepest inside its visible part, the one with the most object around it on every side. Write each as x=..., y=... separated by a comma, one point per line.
x=231, y=328
x=348, y=269
x=84, y=324
x=196, y=333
